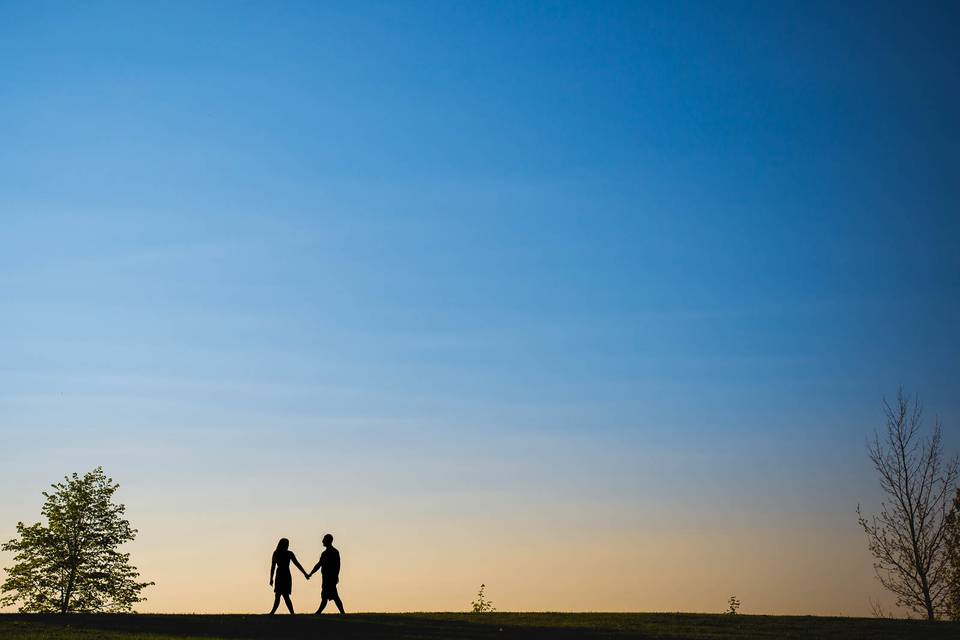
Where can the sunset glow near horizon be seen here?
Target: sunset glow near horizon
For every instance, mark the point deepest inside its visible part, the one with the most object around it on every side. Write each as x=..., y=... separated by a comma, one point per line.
x=594, y=304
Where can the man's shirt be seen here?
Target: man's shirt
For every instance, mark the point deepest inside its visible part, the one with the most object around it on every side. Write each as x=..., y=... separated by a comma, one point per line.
x=330, y=564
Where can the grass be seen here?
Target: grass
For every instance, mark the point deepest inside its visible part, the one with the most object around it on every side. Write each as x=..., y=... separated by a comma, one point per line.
x=433, y=626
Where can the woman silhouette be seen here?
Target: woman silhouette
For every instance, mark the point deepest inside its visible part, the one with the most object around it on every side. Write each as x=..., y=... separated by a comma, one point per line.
x=283, y=585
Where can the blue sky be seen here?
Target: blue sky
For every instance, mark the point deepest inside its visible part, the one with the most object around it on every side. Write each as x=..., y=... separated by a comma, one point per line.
x=666, y=256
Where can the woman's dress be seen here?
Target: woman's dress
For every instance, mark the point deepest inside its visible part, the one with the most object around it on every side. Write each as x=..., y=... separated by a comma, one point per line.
x=282, y=581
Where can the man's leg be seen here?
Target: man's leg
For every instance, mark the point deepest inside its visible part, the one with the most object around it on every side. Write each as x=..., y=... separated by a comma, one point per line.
x=286, y=598
x=323, y=603
x=336, y=601
x=276, y=603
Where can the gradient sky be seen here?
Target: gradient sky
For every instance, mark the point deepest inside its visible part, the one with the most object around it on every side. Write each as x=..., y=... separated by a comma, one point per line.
x=595, y=303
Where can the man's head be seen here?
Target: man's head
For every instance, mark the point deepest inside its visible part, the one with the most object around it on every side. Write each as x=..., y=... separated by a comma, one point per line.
x=327, y=540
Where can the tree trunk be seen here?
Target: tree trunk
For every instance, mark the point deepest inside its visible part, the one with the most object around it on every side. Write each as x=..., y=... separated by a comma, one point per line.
x=65, y=605
x=927, y=601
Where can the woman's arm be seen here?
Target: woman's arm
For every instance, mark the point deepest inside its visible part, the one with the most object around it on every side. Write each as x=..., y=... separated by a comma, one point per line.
x=297, y=563
x=273, y=563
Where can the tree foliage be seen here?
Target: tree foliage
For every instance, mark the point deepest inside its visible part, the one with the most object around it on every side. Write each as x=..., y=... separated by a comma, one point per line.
x=733, y=604
x=952, y=541
x=908, y=536
x=72, y=564
x=482, y=604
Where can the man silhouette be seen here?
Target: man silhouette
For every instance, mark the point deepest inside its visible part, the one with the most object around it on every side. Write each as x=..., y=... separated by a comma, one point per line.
x=329, y=565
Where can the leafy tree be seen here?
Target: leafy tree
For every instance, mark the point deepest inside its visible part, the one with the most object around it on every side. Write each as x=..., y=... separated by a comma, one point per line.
x=72, y=564
x=953, y=558
x=908, y=536
x=481, y=604
x=732, y=605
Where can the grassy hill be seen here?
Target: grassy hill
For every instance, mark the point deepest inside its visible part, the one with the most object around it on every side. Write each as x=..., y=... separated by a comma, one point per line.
x=433, y=626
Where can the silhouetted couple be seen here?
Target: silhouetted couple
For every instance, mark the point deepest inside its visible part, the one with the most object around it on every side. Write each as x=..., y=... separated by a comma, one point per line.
x=329, y=566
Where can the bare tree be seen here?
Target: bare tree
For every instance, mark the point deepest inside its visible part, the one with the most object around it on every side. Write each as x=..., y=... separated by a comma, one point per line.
x=907, y=536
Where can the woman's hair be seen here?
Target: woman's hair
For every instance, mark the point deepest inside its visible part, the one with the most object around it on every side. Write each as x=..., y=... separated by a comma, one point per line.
x=283, y=545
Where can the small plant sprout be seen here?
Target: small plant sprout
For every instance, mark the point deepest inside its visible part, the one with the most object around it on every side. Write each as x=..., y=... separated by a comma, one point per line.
x=732, y=605
x=482, y=604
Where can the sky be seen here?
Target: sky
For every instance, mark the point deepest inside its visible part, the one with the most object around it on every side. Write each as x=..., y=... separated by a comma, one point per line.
x=594, y=303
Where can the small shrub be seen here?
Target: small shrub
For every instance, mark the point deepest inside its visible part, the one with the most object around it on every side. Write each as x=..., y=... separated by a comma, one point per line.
x=481, y=604
x=732, y=605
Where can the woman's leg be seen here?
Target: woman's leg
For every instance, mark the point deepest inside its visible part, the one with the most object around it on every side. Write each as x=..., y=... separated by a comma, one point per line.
x=276, y=603
x=286, y=598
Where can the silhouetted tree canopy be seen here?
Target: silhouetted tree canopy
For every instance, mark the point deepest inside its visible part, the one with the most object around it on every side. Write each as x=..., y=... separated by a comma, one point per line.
x=953, y=559
x=908, y=536
x=72, y=564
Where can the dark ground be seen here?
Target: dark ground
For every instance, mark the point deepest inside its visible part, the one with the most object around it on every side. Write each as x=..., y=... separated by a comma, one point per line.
x=429, y=626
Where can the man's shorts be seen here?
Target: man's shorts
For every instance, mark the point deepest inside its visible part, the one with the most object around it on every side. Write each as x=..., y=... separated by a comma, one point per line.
x=329, y=591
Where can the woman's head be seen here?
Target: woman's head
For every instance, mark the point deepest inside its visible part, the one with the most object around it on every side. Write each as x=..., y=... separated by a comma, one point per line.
x=283, y=545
